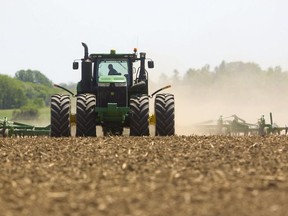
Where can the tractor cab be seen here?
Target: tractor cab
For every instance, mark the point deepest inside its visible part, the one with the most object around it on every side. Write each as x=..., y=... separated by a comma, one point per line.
x=111, y=81
x=99, y=70
x=116, y=68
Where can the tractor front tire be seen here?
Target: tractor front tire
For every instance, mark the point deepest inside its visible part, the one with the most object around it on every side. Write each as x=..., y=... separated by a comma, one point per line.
x=60, y=116
x=165, y=115
x=139, y=115
x=86, y=115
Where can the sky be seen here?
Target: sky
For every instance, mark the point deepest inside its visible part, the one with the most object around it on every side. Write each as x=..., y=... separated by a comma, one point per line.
x=177, y=35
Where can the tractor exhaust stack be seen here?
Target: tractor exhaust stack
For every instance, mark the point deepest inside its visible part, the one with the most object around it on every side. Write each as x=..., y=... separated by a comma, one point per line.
x=86, y=54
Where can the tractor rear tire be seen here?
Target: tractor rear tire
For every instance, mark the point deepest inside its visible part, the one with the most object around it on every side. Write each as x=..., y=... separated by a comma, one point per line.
x=60, y=116
x=86, y=115
x=165, y=115
x=139, y=116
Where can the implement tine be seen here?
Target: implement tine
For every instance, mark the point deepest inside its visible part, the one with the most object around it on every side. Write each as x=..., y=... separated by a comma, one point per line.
x=10, y=128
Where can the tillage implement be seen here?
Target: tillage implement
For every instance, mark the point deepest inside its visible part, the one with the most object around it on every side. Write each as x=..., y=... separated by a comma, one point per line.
x=12, y=128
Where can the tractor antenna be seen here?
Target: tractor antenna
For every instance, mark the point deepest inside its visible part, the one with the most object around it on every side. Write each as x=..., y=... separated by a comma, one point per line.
x=137, y=41
x=85, y=50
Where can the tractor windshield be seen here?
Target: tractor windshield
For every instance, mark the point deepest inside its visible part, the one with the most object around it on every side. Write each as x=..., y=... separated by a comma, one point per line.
x=113, y=67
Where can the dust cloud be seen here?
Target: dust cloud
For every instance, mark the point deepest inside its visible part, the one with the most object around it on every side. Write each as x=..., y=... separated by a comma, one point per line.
x=247, y=94
x=196, y=107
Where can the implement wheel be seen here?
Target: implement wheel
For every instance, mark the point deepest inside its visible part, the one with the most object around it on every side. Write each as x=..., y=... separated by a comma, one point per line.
x=86, y=115
x=60, y=116
x=165, y=115
x=139, y=116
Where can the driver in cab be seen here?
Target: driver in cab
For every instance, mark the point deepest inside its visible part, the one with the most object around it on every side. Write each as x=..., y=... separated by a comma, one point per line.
x=112, y=71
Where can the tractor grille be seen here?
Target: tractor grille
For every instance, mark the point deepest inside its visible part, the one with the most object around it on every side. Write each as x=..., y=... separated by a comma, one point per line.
x=112, y=94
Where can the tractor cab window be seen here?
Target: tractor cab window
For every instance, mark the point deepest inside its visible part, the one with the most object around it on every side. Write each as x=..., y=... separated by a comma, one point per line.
x=113, y=67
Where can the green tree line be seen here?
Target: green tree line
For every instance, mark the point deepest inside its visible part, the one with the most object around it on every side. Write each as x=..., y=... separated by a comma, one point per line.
x=26, y=88
x=33, y=76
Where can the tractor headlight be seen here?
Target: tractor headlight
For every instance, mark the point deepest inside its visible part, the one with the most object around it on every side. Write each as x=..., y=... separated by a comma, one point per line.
x=121, y=84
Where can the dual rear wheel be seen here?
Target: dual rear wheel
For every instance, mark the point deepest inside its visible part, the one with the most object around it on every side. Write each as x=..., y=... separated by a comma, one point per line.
x=60, y=115
x=139, y=115
x=164, y=115
x=86, y=115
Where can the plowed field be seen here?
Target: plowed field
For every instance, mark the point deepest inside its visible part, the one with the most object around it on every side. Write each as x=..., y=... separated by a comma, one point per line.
x=181, y=175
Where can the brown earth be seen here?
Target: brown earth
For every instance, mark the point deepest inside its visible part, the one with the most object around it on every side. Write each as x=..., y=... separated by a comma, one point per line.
x=181, y=175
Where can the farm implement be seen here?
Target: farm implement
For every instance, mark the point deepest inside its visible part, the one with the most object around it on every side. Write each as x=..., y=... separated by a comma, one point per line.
x=234, y=125
x=271, y=128
x=10, y=128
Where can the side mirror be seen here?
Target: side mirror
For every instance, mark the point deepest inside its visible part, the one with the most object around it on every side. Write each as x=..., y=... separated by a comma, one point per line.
x=150, y=64
x=75, y=65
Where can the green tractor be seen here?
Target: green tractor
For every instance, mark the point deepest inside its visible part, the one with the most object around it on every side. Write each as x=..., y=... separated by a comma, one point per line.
x=114, y=95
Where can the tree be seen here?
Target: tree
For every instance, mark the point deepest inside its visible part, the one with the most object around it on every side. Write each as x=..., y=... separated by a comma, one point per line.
x=15, y=94
x=33, y=76
x=176, y=76
x=221, y=68
x=12, y=94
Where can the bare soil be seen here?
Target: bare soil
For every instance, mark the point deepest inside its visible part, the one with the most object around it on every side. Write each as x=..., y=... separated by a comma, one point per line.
x=181, y=175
